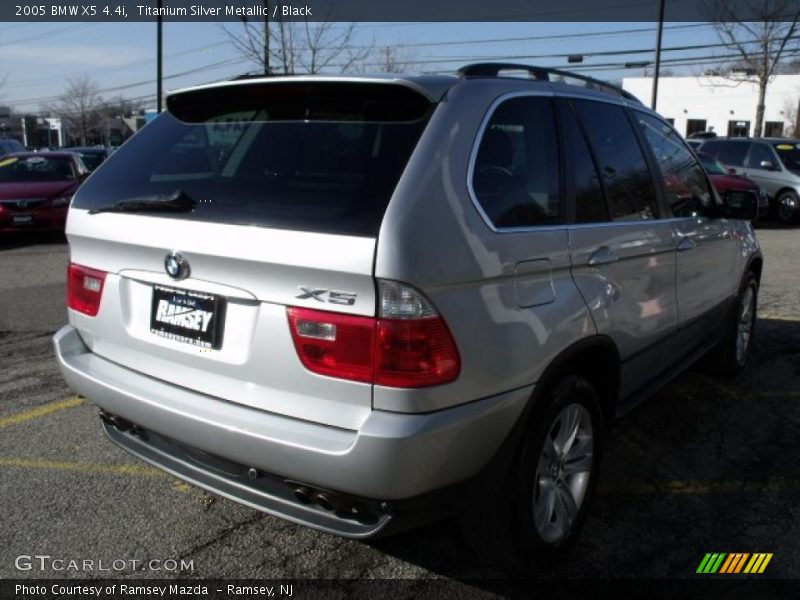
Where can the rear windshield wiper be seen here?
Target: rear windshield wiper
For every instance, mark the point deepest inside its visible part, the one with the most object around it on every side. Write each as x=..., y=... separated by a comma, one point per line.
x=177, y=201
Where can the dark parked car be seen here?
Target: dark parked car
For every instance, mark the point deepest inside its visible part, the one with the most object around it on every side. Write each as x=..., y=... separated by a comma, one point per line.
x=92, y=157
x=702, y=135
x=9, y=146
x=36, y=189
x=724, y=180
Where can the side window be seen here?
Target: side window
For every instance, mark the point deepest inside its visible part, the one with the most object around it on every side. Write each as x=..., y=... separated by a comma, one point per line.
x=758, y=154
x=685, y=184
x=626, y=179
x=516, y=174
x=590, y=204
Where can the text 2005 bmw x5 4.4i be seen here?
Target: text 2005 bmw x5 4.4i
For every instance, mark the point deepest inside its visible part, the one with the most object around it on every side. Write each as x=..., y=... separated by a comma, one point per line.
x=358, y=303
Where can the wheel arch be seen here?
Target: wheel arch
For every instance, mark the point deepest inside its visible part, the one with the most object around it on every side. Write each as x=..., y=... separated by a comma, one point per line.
x=756, y=265
x=597, y=359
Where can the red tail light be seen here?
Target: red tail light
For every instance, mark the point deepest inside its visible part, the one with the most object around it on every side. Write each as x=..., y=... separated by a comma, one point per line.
x=415, y=353
x=84, y=289
x=415, y=350
x=333, y=344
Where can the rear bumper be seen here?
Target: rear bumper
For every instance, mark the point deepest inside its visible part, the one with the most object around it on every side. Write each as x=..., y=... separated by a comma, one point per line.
x=392, y=456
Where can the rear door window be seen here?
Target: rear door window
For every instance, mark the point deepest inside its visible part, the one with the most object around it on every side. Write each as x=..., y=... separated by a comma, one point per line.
x=319, y=156
x=587, y=191
x=626, y=178
x=516, y=176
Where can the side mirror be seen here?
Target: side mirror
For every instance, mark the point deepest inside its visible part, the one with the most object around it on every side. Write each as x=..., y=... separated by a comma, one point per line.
x=740, y=204
x=731, y=170
x=768, y=165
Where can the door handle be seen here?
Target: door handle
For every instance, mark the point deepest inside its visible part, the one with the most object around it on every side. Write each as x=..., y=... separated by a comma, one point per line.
x=686, y=244
x=602, y=256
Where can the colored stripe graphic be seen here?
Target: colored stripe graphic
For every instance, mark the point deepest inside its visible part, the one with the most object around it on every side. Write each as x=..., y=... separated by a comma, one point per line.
x=758, y=563
x=711, y=562
x=733, y=563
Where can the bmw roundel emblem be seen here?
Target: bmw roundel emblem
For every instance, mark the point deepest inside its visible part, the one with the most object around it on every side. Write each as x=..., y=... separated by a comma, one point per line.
x=176, y=266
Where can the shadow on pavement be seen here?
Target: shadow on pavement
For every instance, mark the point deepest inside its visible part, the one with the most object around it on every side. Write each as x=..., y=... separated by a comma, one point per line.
x=703, y=466
x=10, y=241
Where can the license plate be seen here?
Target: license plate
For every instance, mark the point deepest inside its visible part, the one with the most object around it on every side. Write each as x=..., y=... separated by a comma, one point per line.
x=191, y=317
x=24, y=219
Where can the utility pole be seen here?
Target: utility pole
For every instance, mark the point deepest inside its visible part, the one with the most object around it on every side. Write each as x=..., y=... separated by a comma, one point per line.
x=658, y=53
x=159, y=58
x=266, y=37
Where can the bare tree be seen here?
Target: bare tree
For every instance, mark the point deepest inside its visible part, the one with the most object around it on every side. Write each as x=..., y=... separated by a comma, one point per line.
x=121, y=107
x=761, y=42
x=298, y=46
x=81, y=108
x=395, y=59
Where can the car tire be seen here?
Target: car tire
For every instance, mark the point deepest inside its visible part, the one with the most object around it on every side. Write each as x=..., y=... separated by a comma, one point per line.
x=787, y=207
x=533, y=520
x=730, y=356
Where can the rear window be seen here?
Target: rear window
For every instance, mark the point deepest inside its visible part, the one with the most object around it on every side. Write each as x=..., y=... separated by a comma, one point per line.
x=322, y=156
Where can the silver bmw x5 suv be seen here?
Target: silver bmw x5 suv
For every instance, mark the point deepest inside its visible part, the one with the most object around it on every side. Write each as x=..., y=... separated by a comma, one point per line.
x=359, y=303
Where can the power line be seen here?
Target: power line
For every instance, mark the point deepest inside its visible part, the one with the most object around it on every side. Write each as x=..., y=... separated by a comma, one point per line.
x=28, y=82
x=115, y=68
x=51, y=33
x=223, y=63
x=533, y=37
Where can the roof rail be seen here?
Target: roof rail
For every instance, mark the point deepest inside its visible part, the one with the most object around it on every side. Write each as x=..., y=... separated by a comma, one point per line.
x=540, y=74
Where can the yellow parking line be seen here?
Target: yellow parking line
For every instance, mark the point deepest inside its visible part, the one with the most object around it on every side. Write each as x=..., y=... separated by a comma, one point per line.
x=63, y=465
x=41, y=411
x=779, y=318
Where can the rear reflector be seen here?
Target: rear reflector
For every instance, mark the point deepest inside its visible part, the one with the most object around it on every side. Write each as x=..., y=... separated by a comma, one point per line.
x=405, y=352
x=84, y=289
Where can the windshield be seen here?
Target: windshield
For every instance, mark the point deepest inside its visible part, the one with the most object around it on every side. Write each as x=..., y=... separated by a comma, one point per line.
x=35, y=168
x=712, y=165
x=318, y=159
x=789, y=153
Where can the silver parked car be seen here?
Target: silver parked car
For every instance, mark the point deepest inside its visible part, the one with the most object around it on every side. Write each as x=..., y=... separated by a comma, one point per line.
x=773, y=163
x=359, y=303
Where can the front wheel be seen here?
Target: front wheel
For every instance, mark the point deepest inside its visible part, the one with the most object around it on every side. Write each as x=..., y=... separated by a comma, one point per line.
x=787, y=207
x=535, y=517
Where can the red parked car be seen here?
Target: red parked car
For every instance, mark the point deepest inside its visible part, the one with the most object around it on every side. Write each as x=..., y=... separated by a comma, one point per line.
x=36, y=189
x=724, y=180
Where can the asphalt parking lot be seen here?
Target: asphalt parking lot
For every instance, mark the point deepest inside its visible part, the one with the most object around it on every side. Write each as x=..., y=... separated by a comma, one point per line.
x=703, y=466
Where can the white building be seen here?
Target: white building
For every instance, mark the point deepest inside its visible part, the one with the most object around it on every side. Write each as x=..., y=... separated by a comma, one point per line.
x=707, y=103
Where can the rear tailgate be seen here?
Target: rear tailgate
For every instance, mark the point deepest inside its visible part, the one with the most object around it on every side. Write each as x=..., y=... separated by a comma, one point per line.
x=288, y=198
